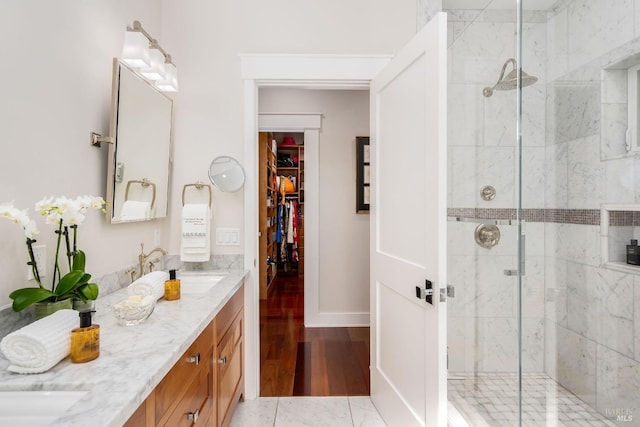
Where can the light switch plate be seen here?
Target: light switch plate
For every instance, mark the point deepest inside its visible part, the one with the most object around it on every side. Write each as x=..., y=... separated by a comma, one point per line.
x=227, y=236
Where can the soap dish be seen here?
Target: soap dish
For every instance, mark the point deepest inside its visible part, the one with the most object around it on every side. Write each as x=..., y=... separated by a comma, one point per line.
x=134, y=310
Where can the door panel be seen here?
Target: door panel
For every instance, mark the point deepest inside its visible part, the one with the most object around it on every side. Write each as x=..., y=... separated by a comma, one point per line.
x=401, y=227
x=408, y=231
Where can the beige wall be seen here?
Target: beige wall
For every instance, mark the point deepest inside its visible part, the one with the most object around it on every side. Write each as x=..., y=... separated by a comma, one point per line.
x=56, y=73
x=344, y=235
x=208, y=38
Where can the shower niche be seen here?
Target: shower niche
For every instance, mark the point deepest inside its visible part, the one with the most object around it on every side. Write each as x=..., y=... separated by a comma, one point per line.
x=619, y=226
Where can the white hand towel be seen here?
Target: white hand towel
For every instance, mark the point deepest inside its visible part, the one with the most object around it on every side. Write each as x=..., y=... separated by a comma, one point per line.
x=195, y=244
x=150, y=284
x=134, y=210
x=41, y=345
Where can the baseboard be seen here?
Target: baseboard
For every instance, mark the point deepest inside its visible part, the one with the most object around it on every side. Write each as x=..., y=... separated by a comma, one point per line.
x=324, y=320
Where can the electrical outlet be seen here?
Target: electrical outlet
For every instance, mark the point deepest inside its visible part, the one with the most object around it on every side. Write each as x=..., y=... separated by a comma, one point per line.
x=40, y=256
x=156, y=237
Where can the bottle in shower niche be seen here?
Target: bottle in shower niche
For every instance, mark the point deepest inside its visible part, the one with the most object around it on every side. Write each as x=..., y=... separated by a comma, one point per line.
x=172, y=287
x=85, y=340
x=633, y=253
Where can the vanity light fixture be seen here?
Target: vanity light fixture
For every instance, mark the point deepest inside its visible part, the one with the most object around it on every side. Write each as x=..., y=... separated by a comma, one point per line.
x=155, y=71
x=135, y=51
x=170, y=81
x=143, y=53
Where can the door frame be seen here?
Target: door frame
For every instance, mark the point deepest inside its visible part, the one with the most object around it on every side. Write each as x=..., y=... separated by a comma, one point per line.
x=287, y=71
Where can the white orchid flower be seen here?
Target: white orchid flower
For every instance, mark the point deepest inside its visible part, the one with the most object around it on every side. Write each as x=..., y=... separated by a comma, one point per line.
x=72, y=217
x=31, y=229
x=53, y=217
x=45, y=205
x=63, y=203
x=5, y=209
x=97, y=202
x=84, y=202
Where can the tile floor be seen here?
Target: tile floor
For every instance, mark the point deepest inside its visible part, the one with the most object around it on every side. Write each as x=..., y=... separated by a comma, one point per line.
x=307, y=412
x=484, y=400
x=490, y=400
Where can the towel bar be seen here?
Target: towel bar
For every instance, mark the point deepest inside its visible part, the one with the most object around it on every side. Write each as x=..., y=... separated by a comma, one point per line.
x=145, y=183
x=199, y=186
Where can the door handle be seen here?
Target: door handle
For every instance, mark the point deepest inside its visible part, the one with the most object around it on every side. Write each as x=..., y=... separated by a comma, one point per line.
x=425, y=293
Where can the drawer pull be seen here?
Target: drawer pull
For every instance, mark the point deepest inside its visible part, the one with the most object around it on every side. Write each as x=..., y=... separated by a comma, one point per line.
x=222, y=360
x=193, y=416
x=194, y=359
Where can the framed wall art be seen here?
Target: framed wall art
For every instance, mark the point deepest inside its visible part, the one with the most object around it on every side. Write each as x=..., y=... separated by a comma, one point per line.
x=363, y=174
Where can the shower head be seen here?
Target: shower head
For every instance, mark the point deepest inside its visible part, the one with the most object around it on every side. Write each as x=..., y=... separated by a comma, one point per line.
x=510, y=81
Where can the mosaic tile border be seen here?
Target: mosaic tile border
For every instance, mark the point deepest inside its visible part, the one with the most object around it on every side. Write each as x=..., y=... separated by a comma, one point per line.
x=561, y=216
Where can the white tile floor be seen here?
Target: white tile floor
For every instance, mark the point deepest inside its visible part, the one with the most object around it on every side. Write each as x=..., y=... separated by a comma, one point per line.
x=491, y=400
x=307, y=412
x=488, y=400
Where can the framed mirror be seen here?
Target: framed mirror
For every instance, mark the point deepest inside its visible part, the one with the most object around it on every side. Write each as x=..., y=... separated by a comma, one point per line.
x=226, y=174
x=139, y=165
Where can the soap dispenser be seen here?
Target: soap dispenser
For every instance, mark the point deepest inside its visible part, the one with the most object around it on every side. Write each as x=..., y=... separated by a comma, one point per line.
x=633, y=253
x=85, y=340
x=172, y=287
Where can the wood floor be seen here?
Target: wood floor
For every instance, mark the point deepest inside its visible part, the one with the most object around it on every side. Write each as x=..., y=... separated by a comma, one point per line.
x=299, y=361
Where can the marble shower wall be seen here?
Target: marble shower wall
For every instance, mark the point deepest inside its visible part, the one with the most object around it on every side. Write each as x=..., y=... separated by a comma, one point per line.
x=482, y=151
x=592, y=314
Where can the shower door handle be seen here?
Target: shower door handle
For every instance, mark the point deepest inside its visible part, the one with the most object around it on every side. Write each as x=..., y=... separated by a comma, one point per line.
x=522, y=258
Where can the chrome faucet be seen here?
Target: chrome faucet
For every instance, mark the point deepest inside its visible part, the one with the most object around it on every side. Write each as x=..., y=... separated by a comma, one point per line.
x=145, y=259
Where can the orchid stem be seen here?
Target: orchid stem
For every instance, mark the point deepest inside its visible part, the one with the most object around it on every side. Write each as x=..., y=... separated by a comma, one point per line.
x=32, y=262
x=56, y=268
x=66, y=241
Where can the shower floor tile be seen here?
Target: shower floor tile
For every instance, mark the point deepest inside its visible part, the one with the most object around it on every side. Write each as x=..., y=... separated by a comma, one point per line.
x=492, y=400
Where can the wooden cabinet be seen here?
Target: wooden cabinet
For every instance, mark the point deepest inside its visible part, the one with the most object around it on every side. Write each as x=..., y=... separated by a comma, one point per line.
x=229, y=325
x=205, y=385
x=185, y=394
x=267, y=212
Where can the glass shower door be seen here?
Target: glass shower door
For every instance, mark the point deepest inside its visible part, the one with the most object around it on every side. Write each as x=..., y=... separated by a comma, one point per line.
x=496, y=314
x=556, y=340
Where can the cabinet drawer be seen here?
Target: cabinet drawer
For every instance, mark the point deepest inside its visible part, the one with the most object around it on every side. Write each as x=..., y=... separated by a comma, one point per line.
x=225, y=317
x=192, y=362
x=195, y=407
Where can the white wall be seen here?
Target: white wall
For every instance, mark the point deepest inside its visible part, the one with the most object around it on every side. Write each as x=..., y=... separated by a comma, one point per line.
x=208, y=37
x=57, y=69
x=344, y=235
x=56, y=73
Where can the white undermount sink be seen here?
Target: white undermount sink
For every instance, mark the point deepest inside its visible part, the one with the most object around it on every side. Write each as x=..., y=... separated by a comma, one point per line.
x=35, y=408
x=193, y=284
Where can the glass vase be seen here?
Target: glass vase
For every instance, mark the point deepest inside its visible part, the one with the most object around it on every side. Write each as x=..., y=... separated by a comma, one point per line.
x=80, y=305
x=43, y=309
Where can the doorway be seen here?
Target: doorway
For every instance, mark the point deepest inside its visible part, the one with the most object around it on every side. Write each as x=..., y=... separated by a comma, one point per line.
x=310, y=342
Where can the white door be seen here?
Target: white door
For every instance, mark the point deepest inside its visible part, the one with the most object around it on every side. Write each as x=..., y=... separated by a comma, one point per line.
x=408, y=231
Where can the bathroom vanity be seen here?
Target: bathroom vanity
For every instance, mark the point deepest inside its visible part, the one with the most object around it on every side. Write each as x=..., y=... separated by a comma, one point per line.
x=183, y=364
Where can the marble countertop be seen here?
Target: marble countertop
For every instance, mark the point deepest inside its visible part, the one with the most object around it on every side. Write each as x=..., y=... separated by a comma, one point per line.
x=133, y=359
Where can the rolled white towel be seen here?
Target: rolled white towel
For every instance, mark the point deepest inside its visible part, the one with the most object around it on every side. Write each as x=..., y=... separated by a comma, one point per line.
x=41, y=345
x=150, y=284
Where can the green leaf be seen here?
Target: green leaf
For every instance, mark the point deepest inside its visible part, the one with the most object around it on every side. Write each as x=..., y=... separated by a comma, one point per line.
x=23, y=298
x=69, y=282
x=89, y=291
x=79, y=261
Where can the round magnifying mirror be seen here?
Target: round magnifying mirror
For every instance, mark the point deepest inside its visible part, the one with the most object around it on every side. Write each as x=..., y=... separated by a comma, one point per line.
x=226, y=174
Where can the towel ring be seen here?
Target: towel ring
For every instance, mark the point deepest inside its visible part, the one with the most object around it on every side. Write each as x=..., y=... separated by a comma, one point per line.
x=144, y=183
x=199, y=186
